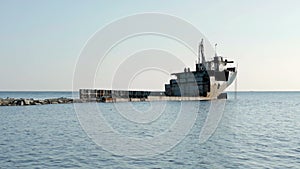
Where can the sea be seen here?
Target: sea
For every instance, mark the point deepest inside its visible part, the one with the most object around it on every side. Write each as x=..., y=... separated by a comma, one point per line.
x=256, y=130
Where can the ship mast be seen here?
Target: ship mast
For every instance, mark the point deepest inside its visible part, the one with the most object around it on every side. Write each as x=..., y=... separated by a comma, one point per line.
x=199, y=55
x=216, y=50
x=201, y=52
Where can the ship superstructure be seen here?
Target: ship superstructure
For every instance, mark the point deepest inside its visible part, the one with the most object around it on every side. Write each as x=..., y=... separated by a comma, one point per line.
x=209, y=79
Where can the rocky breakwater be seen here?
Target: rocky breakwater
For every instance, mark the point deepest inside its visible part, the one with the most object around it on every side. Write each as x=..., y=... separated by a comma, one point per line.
x=27, y=102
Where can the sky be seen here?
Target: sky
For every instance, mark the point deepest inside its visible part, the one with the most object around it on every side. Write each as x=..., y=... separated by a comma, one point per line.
x=40, y=41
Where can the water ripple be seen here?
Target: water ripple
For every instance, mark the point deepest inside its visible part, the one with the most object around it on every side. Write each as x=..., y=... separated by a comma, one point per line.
x=259, y=130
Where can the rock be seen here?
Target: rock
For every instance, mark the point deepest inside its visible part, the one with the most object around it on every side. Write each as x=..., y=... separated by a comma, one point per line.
x=16, y=102
x=5, y=103
x=20, y=103
x=27, y=102
x=32, y=102
x=24, y=101
x=46, y=101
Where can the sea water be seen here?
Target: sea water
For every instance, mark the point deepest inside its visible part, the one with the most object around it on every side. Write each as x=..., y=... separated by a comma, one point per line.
x=257, y=130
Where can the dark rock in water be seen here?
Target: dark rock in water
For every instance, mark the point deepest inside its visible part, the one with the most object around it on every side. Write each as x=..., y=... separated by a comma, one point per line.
x=20, y=102
x=26, y=102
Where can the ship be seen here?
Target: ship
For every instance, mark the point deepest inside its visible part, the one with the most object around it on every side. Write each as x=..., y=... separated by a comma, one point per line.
x=207, y=82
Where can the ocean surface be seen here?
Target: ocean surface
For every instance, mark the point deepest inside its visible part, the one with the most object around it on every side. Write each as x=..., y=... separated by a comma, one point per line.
x=257, y=130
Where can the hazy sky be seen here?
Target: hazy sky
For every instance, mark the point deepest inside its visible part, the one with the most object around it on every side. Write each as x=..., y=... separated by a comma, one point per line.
x=40, y=40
